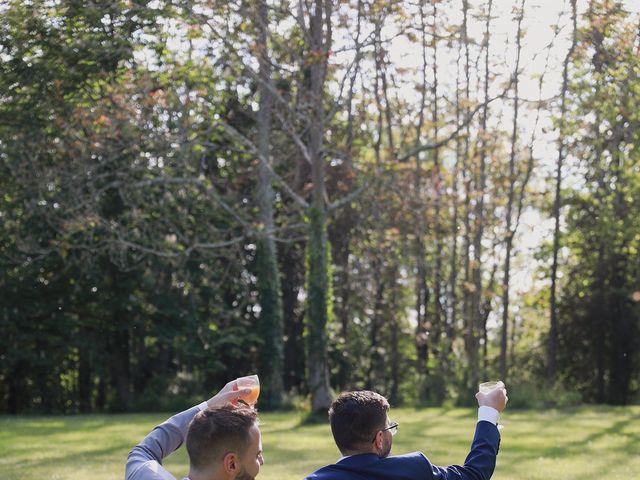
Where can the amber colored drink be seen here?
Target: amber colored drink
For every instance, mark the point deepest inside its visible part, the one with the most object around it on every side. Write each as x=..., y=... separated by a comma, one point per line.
x=252, y=398
x=253, y=383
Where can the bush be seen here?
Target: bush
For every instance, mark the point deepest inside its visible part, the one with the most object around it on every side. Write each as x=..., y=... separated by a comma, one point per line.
x=533, y=395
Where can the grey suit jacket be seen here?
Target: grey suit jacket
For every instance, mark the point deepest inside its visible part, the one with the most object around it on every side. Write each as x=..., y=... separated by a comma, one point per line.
x=145, y=460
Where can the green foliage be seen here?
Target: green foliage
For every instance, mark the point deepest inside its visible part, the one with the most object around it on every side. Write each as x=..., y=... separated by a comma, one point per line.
x=133, y=269
x=319, y=302
x=319, y=286
x=599, y=324
x=270, y=323
x=541, y=396
x=104, y=300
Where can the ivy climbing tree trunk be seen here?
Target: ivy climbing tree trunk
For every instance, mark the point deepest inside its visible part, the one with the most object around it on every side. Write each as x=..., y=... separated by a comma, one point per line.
x=318, y=309
x=269, y=286
x=319, y=297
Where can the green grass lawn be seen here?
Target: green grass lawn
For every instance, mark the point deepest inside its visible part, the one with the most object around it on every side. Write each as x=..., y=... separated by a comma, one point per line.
x=583, y=444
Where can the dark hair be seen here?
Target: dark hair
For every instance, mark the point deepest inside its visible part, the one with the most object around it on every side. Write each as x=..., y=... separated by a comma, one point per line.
x=356, y=417
x=214, y=432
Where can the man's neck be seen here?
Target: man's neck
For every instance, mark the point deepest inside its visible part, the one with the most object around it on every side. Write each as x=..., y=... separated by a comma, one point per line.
x=360, y=451
x=193, y=475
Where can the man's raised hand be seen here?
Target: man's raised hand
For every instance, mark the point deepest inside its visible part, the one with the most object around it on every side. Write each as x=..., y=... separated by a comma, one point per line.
x=228, y=394
x=496, y=398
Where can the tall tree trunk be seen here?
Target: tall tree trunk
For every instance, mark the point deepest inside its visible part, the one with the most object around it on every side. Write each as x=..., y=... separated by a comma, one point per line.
x=84, y=376
x=467, y=292
x=553, y=327
x=485, y=311
x=476, y=299
x=599, y=315
x=292, y=267
x=17, y=400
x=101, y=391
x=342, y=226
x=120, y=363
x=453, y=274
x=379, y=280
x=271, y=353
x=512, y=181
x=421, y=288
x=395, y=338
x=318, y=310
x=319, y=288
x=622, y=316
x=377, y=321
x=437, y=185
x=340, y=239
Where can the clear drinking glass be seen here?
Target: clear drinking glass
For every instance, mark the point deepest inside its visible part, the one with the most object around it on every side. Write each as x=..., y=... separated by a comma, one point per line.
x=251, y=382
x=488, y=387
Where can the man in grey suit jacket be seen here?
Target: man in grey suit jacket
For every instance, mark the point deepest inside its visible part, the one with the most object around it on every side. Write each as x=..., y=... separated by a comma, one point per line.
x=223, y=441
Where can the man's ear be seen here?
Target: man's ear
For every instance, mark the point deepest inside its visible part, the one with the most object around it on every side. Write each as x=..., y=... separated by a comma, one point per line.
x=379, y=440
x=231, y=463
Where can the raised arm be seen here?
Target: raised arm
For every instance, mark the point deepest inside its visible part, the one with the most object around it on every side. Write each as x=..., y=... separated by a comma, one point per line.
x=145, y=459
x=481, y=461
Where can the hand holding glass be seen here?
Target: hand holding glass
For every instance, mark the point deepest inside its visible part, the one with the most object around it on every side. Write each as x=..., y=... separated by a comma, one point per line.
x=488, y=387
x=253, y=383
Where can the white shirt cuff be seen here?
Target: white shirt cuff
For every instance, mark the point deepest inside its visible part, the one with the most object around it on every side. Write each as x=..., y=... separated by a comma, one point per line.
x=488, y=414
x=203, y=406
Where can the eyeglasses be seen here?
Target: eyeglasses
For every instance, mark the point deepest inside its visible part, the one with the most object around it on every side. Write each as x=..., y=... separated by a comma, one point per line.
x=393, y=428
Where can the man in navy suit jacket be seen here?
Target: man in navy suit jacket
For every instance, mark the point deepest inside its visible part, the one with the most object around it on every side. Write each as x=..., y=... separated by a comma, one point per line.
x=363, y=433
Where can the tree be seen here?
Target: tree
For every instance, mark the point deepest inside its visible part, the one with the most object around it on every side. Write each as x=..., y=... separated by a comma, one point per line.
x=510, y=202
x=598, y=309
x=269, y=289
x=553, y=329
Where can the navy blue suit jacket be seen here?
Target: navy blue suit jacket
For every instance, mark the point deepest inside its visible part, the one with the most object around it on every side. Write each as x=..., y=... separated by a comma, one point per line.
x=479, y=464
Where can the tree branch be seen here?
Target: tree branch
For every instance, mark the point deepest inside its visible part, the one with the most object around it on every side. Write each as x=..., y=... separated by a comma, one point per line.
x=432, y=146
x=253, y=150
x=348, y=198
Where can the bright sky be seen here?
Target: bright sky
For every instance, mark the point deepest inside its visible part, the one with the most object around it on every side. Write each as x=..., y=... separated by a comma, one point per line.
x=541, y=16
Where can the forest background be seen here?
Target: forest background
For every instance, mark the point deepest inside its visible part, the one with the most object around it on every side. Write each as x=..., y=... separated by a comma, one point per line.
x=405, y=196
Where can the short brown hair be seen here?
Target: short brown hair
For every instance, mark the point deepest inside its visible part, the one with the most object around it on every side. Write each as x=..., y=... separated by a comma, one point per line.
x=214, y=432
x=355, y=418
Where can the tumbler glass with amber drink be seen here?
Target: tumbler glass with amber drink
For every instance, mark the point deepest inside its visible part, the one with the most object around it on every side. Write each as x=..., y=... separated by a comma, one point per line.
x=252, y=383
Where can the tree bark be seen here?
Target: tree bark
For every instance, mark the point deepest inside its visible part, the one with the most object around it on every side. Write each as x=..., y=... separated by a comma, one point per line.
x=421, y=287
x=510, y=199
x=292, y=267
x=271, y=355
x=319, y=291
x=553, y=327
x=84, y=377
x=437, y=184
x=469, y=332
x=342, y=226
x=395, y=340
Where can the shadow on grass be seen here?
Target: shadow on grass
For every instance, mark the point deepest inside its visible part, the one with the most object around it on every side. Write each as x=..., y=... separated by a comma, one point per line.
x=575, y=447
x=65, y=459
x=314, y=418
x=38, y=426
